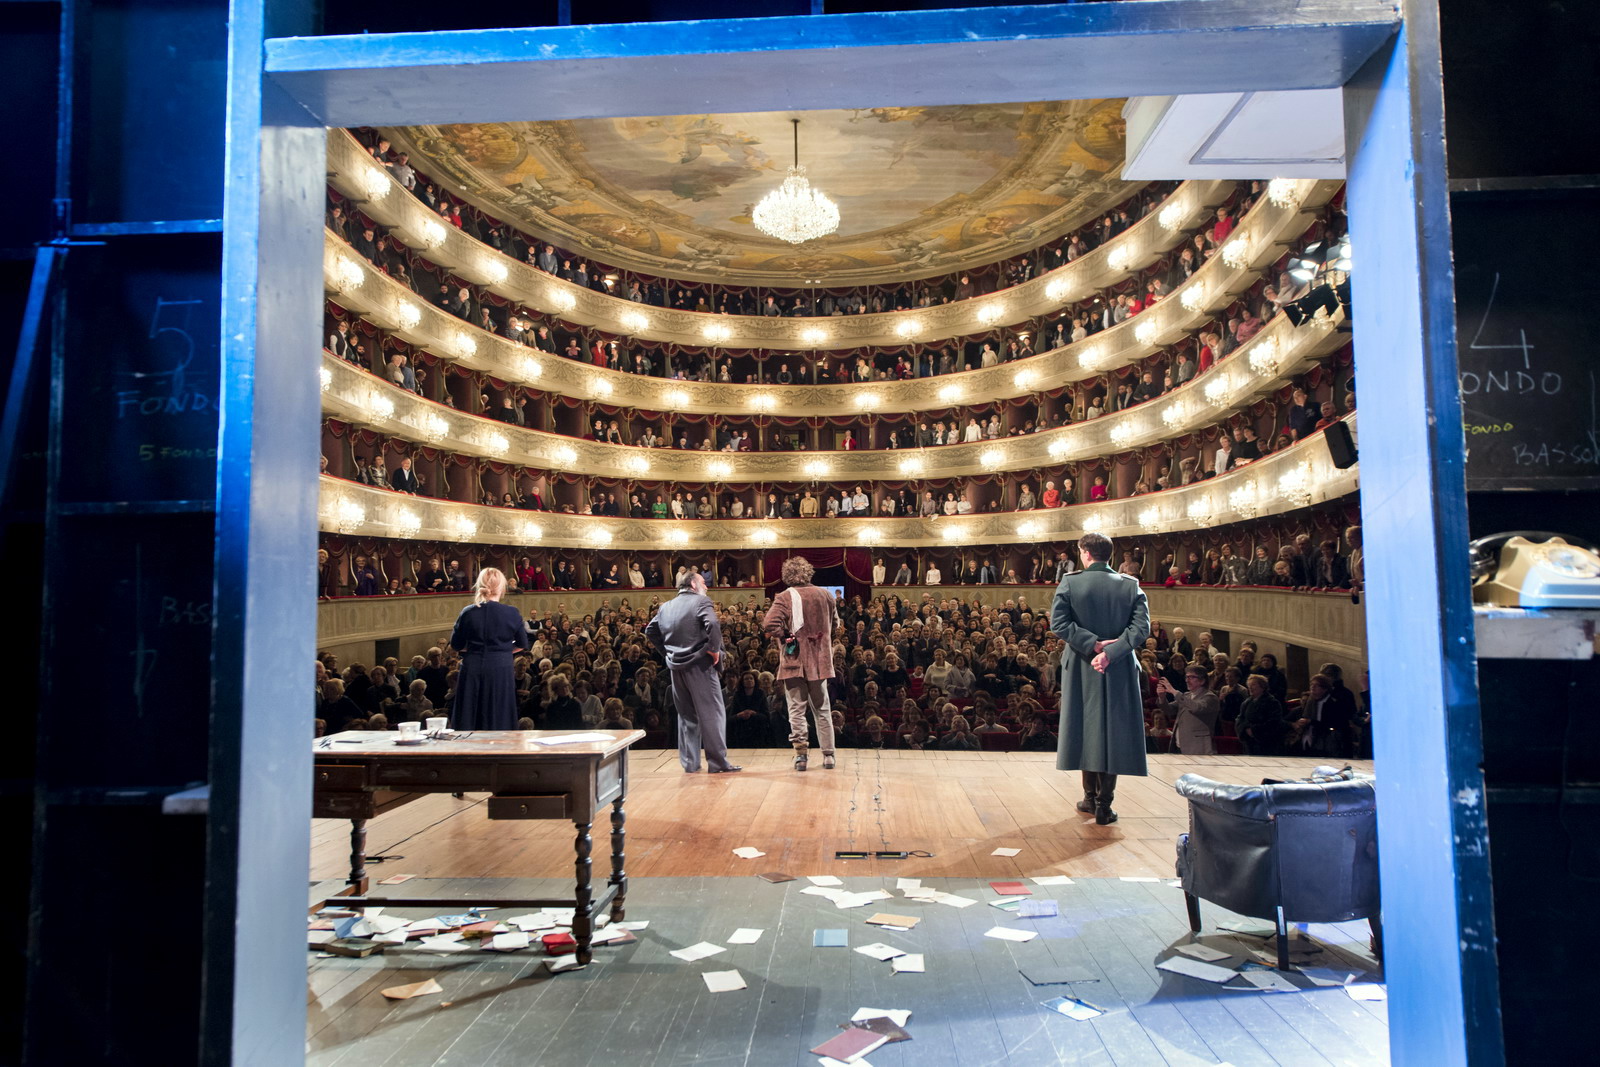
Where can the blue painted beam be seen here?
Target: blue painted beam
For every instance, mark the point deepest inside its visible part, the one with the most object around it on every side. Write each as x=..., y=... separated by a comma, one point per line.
x=900, y=58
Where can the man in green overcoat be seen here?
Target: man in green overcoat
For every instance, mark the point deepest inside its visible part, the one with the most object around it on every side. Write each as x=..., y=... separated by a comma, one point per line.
x=1104, y=619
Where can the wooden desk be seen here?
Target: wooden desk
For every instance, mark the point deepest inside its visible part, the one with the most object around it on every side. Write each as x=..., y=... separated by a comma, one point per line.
x=359, y=775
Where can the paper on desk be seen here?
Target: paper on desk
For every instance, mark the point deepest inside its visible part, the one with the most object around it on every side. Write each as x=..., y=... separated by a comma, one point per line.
x=1007, y=933
x=823, y=879
x=1204, y=953
x=1052, y=879
x=510, y=942
x=723, y=981
x=1206, y=972
x=1006, y=852
x=1366, y=991
x=698, y=951
x=879, y=951
x=900, y=1016
x=572, y=739
x=748, y=853
x=415, y=989
x=745, y=935
x=910, y=963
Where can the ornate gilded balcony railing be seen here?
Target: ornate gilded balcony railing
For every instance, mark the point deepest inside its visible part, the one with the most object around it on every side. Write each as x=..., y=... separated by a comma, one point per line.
x=1284, y=481
x=1256, y=369
x=1258, y=242
x=353, y=172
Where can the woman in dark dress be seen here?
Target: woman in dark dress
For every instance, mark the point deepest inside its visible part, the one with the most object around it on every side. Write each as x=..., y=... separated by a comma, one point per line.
x=487, y=634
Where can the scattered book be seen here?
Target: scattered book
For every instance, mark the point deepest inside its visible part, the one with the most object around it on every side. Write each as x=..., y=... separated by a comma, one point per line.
x=880, y=1024
x=1007, y=933
x=850, y=1045
x=1206, y=972
x=356, y=948
x=1011, y=889
x=879, y=951
x=748, y=853
x=1037, y=909
x=910, y=963
x=775, y=877
x=1052, y=879
x=830, y=939
x=414, y=989
x=884, y=918
x=1074, y=1009
x=397, y=879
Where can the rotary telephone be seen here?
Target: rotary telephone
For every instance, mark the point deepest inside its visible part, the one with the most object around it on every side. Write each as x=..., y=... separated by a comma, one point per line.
x=1535, y=569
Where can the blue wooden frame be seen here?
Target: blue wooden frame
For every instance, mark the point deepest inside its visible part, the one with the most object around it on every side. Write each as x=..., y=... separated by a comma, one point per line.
x=1440, y=947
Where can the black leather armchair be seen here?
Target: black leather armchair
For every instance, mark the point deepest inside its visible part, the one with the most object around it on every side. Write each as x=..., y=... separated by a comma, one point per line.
x=1301, y=851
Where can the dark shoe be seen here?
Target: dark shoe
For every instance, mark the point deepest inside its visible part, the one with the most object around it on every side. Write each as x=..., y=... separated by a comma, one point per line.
x=688, y=770
x=800, y=762
x=827, y=761
x=1103, y=815
x=723, y=770
x=1091, y=790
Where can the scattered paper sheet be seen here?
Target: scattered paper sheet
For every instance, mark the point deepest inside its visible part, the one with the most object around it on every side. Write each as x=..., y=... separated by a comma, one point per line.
x=1204, y=953
x=1037, y=909
x=395, y=880
x=1007, y=933
x=829, y=1061
x=1139, y=878
x=745, y=935
x=748, y=853
x=415, y=989
x=879, y=951
x=1249, y=927
x=831, y=939
x=910, y=963
x=853, y=900
x=723, y=981
x=1057, y=975
x=884, y=918
x=1052, y=879
x=1366, y=991
x=612, y=935
x=557, y=964
x=879, y=1024
x=640, y=925
x=1206, y=972
x=532, y=922
x=1006, y=852
x=319, y=937
x=823, y=879
x=697, y=952
x=510, y=942
x=955, y=900
x=901, y=1016
x=393, y=937
x=1011, y=889
x=1269, y=981
x=1006, y=903
x=1327, y=976
x=572, y=739
x=908, y=883
x=445, y=943
x=1074, y=1009
x=425, y=926
x=824, y=891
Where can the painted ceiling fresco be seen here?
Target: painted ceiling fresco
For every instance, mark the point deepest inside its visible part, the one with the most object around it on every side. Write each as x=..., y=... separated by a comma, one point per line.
x=921, y=190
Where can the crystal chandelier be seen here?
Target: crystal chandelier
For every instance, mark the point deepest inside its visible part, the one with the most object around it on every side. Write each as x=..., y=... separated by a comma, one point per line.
x=794, y=211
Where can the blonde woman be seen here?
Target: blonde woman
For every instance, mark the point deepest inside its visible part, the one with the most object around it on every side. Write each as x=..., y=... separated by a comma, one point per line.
x=487, y=634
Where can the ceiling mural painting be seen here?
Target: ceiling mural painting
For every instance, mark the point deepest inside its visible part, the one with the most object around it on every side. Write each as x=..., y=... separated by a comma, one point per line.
x=921, y=190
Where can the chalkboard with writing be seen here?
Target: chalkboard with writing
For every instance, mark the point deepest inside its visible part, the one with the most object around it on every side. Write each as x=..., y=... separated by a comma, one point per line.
x=1527, y=292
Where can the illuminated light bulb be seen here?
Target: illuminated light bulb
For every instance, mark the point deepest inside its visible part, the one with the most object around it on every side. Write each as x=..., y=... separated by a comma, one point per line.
x=1283, y=192
x=676, y=398
x=720, y=469
x=349, y=516
x=326, y=376
x=1266, y=357
x=990, y=458
x=716, y=333
x=566, y=456
x=1245, y=500
x=1236, y=253
x=532, y=531
x=1192, y=299
x=813, y=336
x=465, y=529
x=1028, y=530
x=1091, y=358
x=1150, y=518
x=530, y=367
x=1218, y=388
x=989, y=314
x=1094, y=523
x=869, y=536
x=347, y=274
x=1059, y=447
x=763, y=402
x=911, y=466
x=434, y=428
x=1117, y=259
x=1294, y=485
x=637, y=464
x=678, y=537
x=497, y=443
x=765, y=535
x=462, y=342
x=906, y=328
x=1175, y=413
x=375, y=183
x=1056, y=292
x=635, y=322
x=1024, y=379
x=408, y=314
x=563, y=299
x=407, y=523
x=495, y=271
x=1145, y=333
x=1122, y=433
x=598, y=535
x=601, y=386
x=382, y=407
x=949, y=394
x=867, y=401
x=433, y=234
x=1172, y=216
x=1200, y=511
x=815, y=468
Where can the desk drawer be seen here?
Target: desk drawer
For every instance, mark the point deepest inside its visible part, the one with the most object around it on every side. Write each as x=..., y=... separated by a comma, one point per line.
x=339, y=776
x=537, y=806
x=464, y=774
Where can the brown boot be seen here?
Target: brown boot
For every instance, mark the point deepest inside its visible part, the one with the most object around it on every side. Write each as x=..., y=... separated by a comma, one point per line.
x=800, y=757
x=1091, y=789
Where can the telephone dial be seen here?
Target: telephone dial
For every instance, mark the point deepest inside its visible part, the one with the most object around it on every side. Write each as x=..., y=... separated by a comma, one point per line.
x=1535, y=569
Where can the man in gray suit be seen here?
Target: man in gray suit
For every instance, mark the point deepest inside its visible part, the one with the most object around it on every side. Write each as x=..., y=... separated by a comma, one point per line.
x=687, y=630
x=1104, y=619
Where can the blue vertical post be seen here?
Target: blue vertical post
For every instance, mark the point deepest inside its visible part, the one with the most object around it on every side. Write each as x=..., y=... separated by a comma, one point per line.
x=1441, y=969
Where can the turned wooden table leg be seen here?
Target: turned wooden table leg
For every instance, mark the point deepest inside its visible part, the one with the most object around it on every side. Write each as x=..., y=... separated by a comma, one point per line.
x=619, y=877
x=358, y=856
x=582, y=918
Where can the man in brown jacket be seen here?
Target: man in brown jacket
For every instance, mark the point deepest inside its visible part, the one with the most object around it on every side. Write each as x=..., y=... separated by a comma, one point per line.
x=803, y=618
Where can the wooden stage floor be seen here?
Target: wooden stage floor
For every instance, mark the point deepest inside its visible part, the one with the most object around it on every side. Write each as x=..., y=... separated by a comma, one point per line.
x=638, y=1005
x=959, y=806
